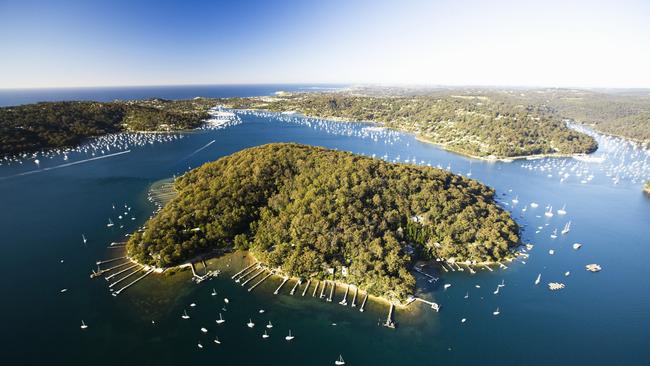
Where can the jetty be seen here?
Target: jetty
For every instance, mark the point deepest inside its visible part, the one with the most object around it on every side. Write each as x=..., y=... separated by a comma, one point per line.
x=435, y=306
x=354, y=298
x=389, y=319
x=282, y=284
x=293, y=289
x=109, y=260
x=115, y=293
x=253, y=277
x=344, y=302
x=120, y=272
x=124, y=278
x=363, y=304
x=242, y=271
x=260, y=281
x=322, y=290
x=329, y=299
x=430, y=277
x=306, y=288
x=315, y=289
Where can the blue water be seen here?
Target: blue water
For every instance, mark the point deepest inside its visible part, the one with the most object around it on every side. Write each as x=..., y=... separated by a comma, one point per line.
x=9, y=97
x=598, y=319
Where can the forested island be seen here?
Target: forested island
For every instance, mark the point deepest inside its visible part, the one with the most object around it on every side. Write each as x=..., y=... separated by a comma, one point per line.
x=307, y=209
x=478, y=125
x=37, y=126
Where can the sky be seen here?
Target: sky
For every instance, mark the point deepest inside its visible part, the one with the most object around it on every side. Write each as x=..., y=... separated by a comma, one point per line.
x=547, y=43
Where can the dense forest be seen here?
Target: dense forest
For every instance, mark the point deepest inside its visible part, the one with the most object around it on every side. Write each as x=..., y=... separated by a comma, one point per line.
x=476, y=125
x=60, y=124
x=307, y=209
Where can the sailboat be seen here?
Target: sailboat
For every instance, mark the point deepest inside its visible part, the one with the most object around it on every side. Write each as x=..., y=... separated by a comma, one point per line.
x=199, y=345
x=339, y=361
x=515, y=200
x=217, y=341
x=220, y=320
x=567, y=228
x=204, y=330
x=214, y=292
x=554, y=234
x=289, y=337
x=497, y=290
x=534, y=204
x=250, y=323
x=185, y=316
x=496, y=312
x=83, y=237
x=83, y=325
x=269, y=325
x=110, y=223
x=539, y=277
x=549, y=212
x=467, y=295
x=265, y=335
x=562, y=211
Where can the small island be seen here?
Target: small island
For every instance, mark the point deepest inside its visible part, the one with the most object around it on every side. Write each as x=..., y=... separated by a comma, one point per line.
x=310, y=211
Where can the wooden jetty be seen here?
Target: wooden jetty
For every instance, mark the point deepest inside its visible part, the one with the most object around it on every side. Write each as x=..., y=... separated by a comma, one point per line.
x=293, y=290
x=329, y=299
x=389, y=319
x=431, y=278
x=344, y=302
x=109, y=260
x=322, y=291
x=363, y=304
x=115, y=293
x=282, y=284
x=108, y=278
x=315, y=289
x=306, y=287
x=253, y=277
x=242, y=271
x=248, y=270
x=260, y=281
x=354, y=298
x=125, y=277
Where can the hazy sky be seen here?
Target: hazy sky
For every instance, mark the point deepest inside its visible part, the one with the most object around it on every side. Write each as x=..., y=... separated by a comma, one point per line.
x=542, y=43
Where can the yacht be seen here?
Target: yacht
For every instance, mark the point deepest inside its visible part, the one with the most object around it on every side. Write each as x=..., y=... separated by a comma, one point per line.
x=83, y=325
x=340, y=360
x=226, y=300
x=576, y=246
x=534, y=204
x=199, y=345
x=549, y=212
x=217, y=341
x=204, y=330
x=289, y=337
x=220, y=320
x=562, y=211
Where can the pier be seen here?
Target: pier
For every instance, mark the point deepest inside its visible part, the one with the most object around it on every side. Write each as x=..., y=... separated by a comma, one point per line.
x=431, y=278
x=354, y=298
x=293, y=290
x=282, y=284
x=315, y=289
x=389, y=319
x=242, y=271
x=433, y=305
x=253, y=277
x=322, y=291
x=306, y=288
x=329, y=299
x=363, y=304
x=260, y=281
x=344, y=302
x=120, y=272
x=488, y=268
x=133, y=282
x=110, y=260
x=248, y=270
x=124, y=278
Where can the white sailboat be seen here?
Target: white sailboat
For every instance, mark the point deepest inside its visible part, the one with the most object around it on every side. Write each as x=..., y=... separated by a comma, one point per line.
x=554, y=234
x=110, y=223
x=289, y=337
x=567, y=228
x=220, y=320
x=467, y=295
x=204, y=330
x=562, y=211
x=539, y=278
x=250, y=323
x=83, y=325
x=199, y=345
x=496, y=312
x=549, y=212
x=185, y=316
x=265, y=335
x=269, y=326
x=214, y=292
x=83, y=237
x=534, y=204
x=339, y=361
x=217, y=341
x=515, y=200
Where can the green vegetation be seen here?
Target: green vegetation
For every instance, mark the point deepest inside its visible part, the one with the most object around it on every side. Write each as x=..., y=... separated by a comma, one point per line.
x=646, y=189
x=307, y=209
x=476, y=125
x=60, y=124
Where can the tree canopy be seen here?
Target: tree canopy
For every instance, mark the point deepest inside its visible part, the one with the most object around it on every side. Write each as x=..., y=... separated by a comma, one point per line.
x=306, y=209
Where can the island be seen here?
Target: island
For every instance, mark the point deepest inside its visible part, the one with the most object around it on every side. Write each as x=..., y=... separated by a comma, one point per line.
x=310, y=212
x=33, y=127
x=480, y=125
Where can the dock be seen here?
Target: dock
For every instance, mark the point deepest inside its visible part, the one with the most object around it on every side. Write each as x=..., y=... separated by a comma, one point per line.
x=260, y=281
x=109, y=260
x=125, y=277
x=431, y=278
x=354, y=298
x=293, y=290
x=315, y=289
x=363, y=304
x=253, y=277
x=488, y=268
x=329, y=299
x=242, y=271
x=344, y=302
x=133, y=282
x=389, y=319
x=306, y=288
x=107, y=278
x=322, y=291
x=282, y=284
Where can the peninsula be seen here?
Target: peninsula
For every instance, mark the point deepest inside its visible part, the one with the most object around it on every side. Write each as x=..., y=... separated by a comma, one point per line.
x=309, y=211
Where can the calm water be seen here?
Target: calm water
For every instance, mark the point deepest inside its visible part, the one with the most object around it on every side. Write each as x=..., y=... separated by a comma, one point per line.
x=599, y=318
